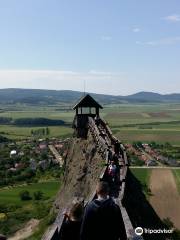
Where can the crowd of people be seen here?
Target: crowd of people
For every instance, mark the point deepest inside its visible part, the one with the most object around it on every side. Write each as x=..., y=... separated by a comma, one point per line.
x=101, y=219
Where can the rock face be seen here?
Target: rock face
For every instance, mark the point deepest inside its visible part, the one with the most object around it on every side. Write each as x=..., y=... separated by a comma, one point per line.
x=83, y=166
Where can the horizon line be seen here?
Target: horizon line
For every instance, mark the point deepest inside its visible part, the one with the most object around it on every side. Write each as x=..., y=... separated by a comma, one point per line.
x=44, y=89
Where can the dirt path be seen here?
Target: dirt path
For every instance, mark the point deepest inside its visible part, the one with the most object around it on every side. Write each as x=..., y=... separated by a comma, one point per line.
x=26, y=231
x=165, y=199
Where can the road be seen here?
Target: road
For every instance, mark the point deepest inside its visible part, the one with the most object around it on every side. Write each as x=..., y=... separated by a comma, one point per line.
x=161, y=167
x=56, y=154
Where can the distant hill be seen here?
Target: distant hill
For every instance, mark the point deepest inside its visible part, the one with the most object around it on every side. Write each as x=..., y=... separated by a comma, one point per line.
x=36, y=96
x=154, y=97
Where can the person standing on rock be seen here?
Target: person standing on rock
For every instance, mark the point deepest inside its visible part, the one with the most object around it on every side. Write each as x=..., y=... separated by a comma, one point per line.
x=117, y=147
x=102, y=218
x=112, y=170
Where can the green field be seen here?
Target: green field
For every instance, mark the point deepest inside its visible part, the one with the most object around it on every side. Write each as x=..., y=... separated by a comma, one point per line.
x=11, y=195
x=18, y=212
x=151, y=122
x=144, y=135
x=130, y=122
x=176, y=173
x=143, y=176
x=14, y=132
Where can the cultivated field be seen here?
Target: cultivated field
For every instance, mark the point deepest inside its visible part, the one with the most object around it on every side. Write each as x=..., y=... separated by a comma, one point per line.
x=165, y=198
x=14, y=132
x=130, y=122
x=157, y=122
x=176, y=173
x=143, y=175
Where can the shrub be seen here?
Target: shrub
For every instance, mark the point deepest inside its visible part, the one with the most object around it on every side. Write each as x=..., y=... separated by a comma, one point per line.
x=38, y=195
x=41, y=210
x=25, y=195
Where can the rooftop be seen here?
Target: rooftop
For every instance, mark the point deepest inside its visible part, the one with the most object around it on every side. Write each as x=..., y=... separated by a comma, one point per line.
x=87, y=101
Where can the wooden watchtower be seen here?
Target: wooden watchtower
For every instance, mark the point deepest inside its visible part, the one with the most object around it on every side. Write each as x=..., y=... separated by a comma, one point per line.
x=86, y=107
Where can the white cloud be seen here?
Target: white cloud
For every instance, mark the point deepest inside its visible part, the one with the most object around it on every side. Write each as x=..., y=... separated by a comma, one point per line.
x=173, y=18
x=106, y=38
x=96, y=81
x=162, y=41
x=139, y=43
x=165, y=41
x=136, y=30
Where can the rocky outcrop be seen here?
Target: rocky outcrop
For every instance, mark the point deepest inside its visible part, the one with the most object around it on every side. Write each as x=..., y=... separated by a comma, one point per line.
x=83, y=166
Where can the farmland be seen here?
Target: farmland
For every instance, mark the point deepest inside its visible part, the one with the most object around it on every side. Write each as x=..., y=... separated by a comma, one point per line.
x=165, y=197
x=129, y=122
x=14, y=132
x=158, y=122
x=143, y=176
x=176, y=173
x=160, y=188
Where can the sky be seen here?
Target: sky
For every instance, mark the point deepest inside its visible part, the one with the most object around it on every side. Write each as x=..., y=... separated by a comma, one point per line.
x=115, y=47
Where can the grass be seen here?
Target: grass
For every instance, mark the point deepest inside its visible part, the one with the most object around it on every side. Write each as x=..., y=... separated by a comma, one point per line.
x=176, y=173
x=14, y=132
x=116, y=115
x=12, y=195
x=36, y=113
x=159, y=136
x=19, y=212
x=165, y=114
x=143, y=176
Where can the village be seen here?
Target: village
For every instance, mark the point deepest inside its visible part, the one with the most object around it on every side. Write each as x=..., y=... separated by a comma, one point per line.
x=31, y=160
x=153, y=154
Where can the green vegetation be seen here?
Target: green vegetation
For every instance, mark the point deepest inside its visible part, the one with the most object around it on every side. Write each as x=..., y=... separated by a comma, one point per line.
x=27, y=165
x=3, y=139
x=158, y=122
x=176, y=173
x=43, y=225
x=14, y=132
x=143, y=176
x=134, y=160
x=145, y=122
x=18, y=211
x=24, y=195
x=38, y=195
x=11, y=194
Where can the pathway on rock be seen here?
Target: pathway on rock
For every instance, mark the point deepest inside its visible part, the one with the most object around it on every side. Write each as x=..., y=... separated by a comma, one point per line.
x=165, y=198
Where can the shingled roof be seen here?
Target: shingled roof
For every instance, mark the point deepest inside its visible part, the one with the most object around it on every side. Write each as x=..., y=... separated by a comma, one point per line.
x=87, y=101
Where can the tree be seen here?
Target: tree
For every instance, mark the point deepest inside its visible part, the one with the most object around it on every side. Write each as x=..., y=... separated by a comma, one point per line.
x=32, y=132
x=25, y=195
x=47, y=131
x=38, y=195
x=43, y=131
